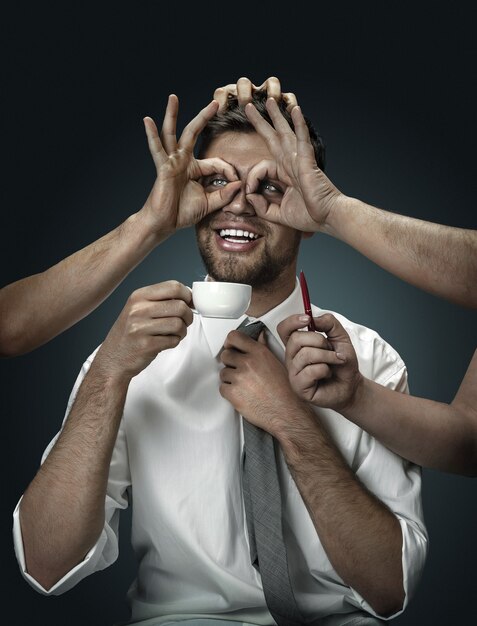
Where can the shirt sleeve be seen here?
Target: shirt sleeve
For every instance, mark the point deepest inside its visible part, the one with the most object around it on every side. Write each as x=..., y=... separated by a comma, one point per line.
x=397, y=483
x=105, y=551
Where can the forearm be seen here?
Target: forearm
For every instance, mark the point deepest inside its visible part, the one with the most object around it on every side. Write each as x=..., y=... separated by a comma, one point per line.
x=62, y=511
x=37, y=308
x=429, y=433
x=439, y=259
x=361, y=537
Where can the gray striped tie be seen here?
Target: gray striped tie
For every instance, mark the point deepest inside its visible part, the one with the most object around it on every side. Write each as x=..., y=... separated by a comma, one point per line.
x=263, y=510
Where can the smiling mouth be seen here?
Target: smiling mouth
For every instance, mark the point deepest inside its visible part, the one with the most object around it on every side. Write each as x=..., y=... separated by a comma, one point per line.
x=236, y=235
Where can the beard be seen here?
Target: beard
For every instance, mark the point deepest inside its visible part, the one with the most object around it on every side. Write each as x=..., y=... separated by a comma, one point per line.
x=260, y=271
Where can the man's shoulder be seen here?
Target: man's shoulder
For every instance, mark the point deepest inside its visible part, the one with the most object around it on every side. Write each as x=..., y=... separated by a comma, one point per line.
x=377, y=358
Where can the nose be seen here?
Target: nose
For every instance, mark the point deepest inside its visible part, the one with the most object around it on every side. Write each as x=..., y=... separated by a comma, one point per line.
x=239, y=205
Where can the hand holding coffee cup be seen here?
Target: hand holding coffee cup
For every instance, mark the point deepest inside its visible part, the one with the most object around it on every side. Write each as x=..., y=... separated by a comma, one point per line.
x=218, y=299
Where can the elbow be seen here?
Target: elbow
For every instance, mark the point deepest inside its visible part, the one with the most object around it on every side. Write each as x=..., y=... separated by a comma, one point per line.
x=388, y=604
x=463, y=460
x=47, y=579
x=12, y=339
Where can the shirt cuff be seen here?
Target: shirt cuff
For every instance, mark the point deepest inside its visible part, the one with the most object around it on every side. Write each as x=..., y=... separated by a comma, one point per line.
x=92, y=561
x=414, y=551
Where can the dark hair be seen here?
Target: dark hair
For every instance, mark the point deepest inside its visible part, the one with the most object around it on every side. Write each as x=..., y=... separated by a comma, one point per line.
x=233, y=119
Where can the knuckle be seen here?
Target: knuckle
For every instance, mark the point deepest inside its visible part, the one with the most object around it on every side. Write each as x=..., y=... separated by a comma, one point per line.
x=172, y=341
x=174, y=287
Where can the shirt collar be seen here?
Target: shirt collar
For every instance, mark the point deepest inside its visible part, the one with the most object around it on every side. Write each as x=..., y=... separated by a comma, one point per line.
x=217, y=329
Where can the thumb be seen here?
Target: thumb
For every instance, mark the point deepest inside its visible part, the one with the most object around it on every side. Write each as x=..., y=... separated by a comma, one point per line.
x=269, y=212
x=261, y=338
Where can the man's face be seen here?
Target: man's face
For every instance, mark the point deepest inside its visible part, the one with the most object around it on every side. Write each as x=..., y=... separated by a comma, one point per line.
x=268, y=252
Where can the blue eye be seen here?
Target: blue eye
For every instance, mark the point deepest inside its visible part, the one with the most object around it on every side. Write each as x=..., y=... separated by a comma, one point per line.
x=217, y=182
x=268, y=187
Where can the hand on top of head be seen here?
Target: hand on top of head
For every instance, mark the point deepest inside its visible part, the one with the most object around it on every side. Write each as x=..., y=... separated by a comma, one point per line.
x=244, y=89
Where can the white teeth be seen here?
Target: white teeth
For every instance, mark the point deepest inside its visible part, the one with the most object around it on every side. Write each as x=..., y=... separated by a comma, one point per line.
x=232, y=232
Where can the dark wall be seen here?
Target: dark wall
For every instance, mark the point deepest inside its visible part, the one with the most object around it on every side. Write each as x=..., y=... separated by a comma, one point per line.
x=390, y=88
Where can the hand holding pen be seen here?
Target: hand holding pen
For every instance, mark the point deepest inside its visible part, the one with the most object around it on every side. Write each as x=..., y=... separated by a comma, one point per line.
x=306, y=301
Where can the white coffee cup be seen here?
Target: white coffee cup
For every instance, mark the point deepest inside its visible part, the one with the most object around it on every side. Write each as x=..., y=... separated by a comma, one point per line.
x=217, y=299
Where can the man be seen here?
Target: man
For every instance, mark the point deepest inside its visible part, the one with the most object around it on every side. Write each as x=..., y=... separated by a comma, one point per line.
x=439, y=259
x=156, y=411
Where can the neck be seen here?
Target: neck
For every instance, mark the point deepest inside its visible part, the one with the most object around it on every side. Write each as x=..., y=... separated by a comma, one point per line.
x=266, y=298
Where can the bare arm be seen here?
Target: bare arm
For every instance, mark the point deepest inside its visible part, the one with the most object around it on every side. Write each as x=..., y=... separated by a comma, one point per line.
x=62, y=511
x=439, y=259
x=434, y=434
x=361, y=537
x=436, y=258
x=37, y=308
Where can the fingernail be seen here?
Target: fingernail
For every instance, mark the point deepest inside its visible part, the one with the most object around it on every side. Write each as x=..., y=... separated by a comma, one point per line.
x=304, y=318
x=341, y=356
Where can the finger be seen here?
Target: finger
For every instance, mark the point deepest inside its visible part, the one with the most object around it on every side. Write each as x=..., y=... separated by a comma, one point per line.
x=263, y=128
x=221, y=94
x=244, y=91
x=330, y=325
x=156, y=309
x=291, y=324
x=168, y=290
x=169, y=125
x=262, y=170
x=230, y=357
x=240, y=341
x=309, y=376
x=279, y=122
x=172, y=308
x=196, y=126
x=261, y=206
x=312, y=356
x=273, y=88
x=214, y=165
x=222, y=196
x=165, y=326
x=262, y=338
x=302, y=341
x=304, y=147
x=227, y=375
x=290, y=100
x=155, y=146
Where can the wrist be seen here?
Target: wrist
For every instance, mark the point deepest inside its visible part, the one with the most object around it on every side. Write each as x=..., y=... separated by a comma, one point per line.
x=109, y=376
x=341, y=210
x=148, y=227
x=294, y=426
x=358, y=401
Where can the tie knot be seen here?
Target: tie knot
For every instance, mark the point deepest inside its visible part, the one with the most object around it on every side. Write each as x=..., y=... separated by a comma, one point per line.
x=253, y=329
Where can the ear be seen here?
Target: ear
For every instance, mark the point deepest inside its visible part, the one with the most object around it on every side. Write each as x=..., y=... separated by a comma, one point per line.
x=305, y=235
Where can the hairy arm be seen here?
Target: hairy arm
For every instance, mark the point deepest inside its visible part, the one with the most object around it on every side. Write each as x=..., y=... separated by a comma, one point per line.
x=37, y=308
x=62, y=511
x=361, y=536
x=439, y=259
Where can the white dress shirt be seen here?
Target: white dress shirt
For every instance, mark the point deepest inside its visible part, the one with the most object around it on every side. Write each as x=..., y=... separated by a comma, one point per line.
x=178, y=453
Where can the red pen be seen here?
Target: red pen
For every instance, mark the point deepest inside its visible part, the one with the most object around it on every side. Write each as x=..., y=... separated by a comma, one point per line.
x=306, y=300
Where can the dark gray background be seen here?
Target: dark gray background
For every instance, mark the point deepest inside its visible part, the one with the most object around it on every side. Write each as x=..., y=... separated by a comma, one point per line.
x=391, y=89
